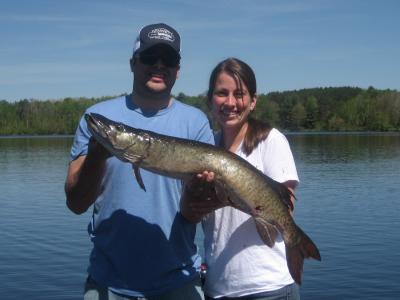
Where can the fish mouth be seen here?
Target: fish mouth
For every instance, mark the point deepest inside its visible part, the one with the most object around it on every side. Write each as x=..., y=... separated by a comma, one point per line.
x=100, y=127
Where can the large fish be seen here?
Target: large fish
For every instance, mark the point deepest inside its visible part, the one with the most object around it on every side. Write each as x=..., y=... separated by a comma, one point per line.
x=245, y=187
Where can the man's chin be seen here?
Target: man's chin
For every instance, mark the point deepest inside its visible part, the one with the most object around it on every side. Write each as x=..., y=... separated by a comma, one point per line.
x=156, y=88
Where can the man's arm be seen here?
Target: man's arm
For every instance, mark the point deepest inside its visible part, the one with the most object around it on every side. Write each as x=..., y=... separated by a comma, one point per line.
x=199, y=197
x=82, y=185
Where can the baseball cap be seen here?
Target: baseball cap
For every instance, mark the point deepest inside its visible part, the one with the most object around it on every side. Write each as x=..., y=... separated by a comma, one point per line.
x=156, y=34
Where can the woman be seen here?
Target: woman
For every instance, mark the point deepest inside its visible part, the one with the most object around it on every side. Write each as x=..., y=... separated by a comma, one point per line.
x=240, y=265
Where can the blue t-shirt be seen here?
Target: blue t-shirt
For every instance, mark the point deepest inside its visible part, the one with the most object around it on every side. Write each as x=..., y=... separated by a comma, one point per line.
x=142, y=245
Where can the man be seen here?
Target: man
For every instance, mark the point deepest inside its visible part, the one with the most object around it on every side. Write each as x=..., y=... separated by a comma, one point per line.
x=142, y=246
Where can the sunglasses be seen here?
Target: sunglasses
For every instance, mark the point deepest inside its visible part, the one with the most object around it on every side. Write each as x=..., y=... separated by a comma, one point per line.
x=169, y=60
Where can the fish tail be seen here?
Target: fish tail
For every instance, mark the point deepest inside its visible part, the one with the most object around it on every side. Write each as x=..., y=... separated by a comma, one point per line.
x=295, y=255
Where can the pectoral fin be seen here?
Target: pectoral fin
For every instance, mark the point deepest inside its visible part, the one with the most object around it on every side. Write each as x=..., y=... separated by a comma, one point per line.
x=139, y=179
x=136, y=161
x=267, y=231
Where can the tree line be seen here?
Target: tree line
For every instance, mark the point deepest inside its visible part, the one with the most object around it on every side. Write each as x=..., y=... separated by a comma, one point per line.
x=315, y=109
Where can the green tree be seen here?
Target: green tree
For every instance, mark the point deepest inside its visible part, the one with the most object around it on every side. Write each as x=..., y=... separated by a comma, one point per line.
x=266, y=110
x=311, y=108
x=336, y=123
x=299, y=116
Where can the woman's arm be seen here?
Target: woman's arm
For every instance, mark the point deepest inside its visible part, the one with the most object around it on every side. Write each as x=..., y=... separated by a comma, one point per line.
x=291, y=185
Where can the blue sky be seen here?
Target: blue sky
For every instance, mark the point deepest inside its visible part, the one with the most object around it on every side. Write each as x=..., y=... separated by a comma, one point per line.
x=52, y=49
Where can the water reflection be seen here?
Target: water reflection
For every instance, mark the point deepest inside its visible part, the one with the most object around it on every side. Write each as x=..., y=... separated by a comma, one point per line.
x=348, y=202
x=344, y=148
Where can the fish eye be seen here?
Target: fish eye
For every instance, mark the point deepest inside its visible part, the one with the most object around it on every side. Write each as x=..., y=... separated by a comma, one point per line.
x=119, y=127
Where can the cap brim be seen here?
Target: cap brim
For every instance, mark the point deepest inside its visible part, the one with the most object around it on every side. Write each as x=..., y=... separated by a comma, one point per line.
x=147, y=47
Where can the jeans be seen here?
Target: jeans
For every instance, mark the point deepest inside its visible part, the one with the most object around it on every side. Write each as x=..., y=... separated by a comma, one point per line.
x=289, y=292
x=190, y=291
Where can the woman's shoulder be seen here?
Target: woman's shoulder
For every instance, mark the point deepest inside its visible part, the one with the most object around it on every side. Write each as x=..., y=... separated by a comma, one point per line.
x=275, y=135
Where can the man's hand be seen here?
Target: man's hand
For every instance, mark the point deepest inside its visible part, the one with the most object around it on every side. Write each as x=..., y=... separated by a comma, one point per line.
x=82, y=185
x=96, y=151
x=199, y=197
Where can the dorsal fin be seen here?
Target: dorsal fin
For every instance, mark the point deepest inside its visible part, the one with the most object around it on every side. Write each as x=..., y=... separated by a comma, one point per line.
x=284, y=193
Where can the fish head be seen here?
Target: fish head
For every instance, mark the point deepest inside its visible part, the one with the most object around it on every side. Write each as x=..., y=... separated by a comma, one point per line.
x=115, y=137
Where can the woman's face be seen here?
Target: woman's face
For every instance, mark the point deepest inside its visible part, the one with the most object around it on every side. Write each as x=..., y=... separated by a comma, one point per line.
x=231, y=105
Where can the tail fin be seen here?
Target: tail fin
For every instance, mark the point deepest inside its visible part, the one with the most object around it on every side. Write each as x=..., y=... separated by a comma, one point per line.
x=295, y=255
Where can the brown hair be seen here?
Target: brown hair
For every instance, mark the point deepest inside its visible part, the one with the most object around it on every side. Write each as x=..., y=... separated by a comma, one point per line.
x=243, y=74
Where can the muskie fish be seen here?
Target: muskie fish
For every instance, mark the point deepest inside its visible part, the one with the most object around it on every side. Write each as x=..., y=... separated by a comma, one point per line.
x=248, y=189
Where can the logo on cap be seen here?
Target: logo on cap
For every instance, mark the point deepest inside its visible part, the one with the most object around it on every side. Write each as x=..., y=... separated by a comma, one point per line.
x=161, y=34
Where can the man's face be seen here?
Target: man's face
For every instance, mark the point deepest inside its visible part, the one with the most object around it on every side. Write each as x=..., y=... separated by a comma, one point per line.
x=155, y=70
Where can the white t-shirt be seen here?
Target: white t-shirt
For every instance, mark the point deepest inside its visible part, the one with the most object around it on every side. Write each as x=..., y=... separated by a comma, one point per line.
x=239, y=263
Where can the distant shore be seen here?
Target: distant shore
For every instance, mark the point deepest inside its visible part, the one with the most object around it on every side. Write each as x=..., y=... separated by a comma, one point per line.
x=366, y=133
x=332, y=109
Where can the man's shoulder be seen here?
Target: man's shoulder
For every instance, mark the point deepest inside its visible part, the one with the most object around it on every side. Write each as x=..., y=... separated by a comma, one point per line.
x=188, y=113
x=109, y=104
x=192, y=122
x=188, y=108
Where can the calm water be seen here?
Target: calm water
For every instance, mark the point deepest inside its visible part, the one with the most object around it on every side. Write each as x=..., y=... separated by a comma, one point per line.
x=348, y=202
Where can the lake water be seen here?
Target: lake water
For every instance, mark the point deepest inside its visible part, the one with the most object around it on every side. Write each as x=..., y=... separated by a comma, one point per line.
x=348, y=202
